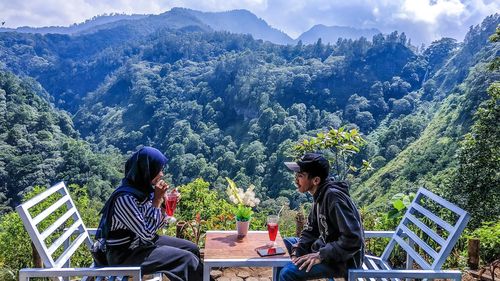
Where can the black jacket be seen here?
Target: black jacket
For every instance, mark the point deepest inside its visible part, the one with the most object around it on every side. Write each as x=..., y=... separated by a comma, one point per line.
x=334, y=228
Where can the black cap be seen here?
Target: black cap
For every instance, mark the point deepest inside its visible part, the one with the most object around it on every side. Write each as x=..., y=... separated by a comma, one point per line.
x=312, y=163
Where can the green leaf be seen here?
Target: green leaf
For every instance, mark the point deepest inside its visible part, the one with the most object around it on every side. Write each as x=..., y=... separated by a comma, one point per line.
x=398, y=205
x=243, y=213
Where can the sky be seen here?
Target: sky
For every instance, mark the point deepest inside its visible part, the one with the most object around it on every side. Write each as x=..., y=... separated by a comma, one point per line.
x=422, y=20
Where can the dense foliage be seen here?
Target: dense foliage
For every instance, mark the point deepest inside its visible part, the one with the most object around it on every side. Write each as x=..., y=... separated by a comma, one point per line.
x=476, y=183
x=39, y=146
x=420, y=149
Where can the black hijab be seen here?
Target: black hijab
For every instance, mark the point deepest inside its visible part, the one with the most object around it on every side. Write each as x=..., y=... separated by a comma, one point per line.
x=142, y=167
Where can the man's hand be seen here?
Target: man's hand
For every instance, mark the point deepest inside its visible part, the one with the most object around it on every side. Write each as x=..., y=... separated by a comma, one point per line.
x=307, y=261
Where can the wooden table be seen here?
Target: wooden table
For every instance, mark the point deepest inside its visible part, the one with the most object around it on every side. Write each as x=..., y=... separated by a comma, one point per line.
x=224, y=249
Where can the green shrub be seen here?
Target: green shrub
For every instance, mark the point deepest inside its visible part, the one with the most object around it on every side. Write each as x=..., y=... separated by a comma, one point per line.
x=489, y=241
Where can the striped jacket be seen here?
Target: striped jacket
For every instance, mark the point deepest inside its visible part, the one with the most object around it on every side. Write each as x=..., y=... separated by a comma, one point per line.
x=139, y=218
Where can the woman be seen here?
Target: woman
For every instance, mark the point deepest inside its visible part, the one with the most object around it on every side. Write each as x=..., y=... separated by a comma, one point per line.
x=132, y=216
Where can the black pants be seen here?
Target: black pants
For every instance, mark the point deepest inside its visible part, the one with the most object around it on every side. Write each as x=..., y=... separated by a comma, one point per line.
x=179, y=259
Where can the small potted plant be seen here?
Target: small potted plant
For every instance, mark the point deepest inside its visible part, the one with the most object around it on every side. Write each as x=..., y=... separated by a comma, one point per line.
x=244, y=200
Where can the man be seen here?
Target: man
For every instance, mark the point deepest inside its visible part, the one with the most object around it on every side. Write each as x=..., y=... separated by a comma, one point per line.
x=332, y=241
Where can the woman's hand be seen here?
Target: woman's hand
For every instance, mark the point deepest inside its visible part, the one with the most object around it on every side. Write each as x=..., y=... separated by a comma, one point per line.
x=161, y=188
x=175, y=191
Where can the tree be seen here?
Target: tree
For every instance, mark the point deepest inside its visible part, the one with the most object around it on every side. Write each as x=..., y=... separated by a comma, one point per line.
x=340, y=147
x=438, y=51
x=401, y=106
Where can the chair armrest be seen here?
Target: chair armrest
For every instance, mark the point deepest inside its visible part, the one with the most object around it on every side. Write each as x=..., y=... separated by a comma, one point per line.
x=26, y=273
x=378, y=234
x=415, y=274
x=91, y=231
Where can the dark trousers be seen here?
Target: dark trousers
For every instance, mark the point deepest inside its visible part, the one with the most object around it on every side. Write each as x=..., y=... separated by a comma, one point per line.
x=179, y=259
x=290, y=272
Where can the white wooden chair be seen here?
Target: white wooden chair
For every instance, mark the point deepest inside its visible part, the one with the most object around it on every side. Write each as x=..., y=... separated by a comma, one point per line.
x=58, y=241
x=427, y=233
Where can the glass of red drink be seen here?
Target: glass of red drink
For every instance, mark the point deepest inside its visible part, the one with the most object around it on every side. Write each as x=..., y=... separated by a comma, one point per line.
x=272, y=229
x=170, y=204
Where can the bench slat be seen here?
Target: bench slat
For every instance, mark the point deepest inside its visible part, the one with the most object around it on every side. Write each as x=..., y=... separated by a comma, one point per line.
x=378, y=233
x=433, y=217
x=65, y=256
x=419, y=242
x=382, y=266
x=44, y=195
x=369, y=261
x=57, y=223
x=426, y=229
x=416, y=274
x=409, y=250
x=66, y=235
x=50, y=209
x=103, y=271
x=372, y=264
x=443, y=202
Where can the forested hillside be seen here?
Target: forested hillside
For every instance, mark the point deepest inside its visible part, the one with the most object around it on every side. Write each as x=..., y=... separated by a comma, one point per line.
x=420, y=149
x=39, y=146
x=227, y=105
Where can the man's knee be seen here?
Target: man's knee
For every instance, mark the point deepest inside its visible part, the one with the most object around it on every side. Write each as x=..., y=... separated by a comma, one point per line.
x=289, y=242
x=289, y=273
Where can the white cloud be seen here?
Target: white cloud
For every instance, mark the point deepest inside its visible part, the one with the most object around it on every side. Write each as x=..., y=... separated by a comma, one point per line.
x=421, y=20
x=430, y=12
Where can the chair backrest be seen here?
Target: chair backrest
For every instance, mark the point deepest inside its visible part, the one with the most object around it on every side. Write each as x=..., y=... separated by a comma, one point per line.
x=428, y=231
x=51, y=218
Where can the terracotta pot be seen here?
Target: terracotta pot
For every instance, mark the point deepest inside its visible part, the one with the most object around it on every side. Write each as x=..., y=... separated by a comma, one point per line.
x=242, y=228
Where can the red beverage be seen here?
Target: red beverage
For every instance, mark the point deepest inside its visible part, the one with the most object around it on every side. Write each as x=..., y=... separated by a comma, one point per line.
x=272, y=229
x=171, y=204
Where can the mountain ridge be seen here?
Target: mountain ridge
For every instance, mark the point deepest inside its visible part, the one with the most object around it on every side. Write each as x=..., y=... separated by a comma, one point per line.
x=239, y=21
x=330, y=34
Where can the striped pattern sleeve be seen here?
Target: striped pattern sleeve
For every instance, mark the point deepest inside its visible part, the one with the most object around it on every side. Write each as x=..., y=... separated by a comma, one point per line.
x=144, y=220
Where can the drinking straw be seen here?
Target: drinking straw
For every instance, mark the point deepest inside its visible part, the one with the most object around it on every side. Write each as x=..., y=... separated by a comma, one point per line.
x=279, y=213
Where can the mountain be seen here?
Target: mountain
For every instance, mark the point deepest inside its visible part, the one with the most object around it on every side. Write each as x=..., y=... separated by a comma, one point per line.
x=74, y=28
x=243, y=22
x=236, y=21
x=330, y=34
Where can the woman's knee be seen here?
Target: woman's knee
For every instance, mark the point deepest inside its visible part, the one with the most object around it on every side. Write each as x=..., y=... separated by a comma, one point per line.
x=191, y=247
x=190, y=259
x=195, y=250
x=179, y=243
